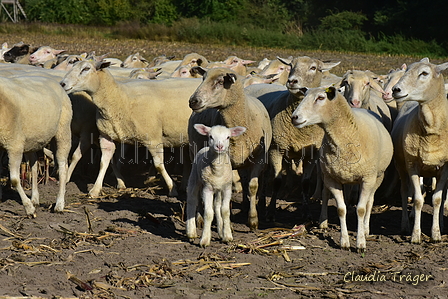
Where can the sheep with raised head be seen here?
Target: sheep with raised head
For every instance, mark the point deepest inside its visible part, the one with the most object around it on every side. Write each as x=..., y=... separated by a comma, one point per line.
x=362, y=91
x=356, y=149
x=288, y=142
x=222, y=89
x=25, y=131
x=420, y=139
x=135, y=61
x=149, y=112
x=211, y=180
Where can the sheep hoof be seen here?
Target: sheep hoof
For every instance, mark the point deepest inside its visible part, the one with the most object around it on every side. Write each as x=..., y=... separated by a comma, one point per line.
x=361, y=250
x=323, y=224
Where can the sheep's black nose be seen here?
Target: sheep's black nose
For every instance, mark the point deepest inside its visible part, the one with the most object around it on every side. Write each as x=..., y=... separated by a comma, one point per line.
x=396, y=89
x=62, y=84
x=294, y=117
x=193, y=102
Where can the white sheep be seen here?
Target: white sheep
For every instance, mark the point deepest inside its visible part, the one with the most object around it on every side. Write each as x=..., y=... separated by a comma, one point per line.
x=43, y=54
x=362, y=91
x=35, y=110
x=420, y=140
x=151, y=112
x=223, y=89
x=279, y=69
x=145, y=73
x=287, y=141
x=356, y=149
x=135, y=61
x=211, y=180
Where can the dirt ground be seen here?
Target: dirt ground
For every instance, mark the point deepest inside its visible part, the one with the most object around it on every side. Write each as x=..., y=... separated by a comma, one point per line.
x=132, y=243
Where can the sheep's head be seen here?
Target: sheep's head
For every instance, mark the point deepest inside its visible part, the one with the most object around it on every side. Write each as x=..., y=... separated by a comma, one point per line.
x=422, y=81
x=16, y=52
x=309, y=111
x=211, y=93
x=219, y=136
x=83, y=76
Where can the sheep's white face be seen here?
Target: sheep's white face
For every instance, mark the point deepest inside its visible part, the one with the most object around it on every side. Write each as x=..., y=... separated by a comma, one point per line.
x=43, y=54
x=82, y=77
x=308, y=112
x=219, y=136
x=392, y=78
x=356, y=86
x=420, y=82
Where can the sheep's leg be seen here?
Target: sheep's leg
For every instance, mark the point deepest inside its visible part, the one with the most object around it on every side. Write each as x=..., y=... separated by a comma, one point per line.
x=2, y=153
x=418, y=204
x=323, y=218
x=437, y=203
x=319, y=184
x=405, y=225
x=225, y=213
x=336, y=189
x=32, y=159
x=186, y=167
x=157, y=157
x=192, y=203
x=15, y=158
x=257, y=169
x=62, y=152
x=107, y=151
x=217, y=205
x=117, y=172
x=275, y=159
x=207, y=197
x=362, y=209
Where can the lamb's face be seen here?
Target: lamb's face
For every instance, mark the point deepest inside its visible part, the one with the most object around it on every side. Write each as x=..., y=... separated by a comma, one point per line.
x=419, y=82
x=211, y=93
x=82, y=77
x=219, y=136
x=309, y=111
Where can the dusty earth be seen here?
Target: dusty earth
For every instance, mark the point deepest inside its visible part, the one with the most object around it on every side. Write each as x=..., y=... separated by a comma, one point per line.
x=132, y=243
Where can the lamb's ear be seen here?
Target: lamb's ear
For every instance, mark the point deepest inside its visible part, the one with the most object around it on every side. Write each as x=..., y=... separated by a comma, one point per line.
x=331, y=92
x=198, y=70
x=101, y=65
x=229, y=79
x=202, y=129
x=237, y=131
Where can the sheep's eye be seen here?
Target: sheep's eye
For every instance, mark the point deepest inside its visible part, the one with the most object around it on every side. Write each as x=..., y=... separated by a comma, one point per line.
x=85, y=69
x=424, y=73
x=320, y=98
x=228, y=137
x=367, y=83
x=313, y=68
x=211, y=137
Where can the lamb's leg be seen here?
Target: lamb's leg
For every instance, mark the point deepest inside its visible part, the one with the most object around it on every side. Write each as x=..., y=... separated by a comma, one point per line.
x=336, y=189
x=157, y=157
x=225, y=213
x=217, y=205
x=418, y=204
x=107, y=151
x=32, y=159
x=192, y=203
x=207, y=197
x=15, y=158
x=437, y=203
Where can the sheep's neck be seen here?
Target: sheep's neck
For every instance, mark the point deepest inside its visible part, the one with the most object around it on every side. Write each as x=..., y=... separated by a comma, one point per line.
x=104, y=97
x=433, y=115
x=341, y=136
x=234, y=114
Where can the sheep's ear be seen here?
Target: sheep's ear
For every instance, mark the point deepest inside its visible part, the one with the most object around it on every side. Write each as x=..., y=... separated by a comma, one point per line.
x=237, y=131
x=441, y=67
x=202, y=129
x=331, y=92
x=170, y=57
x=199, y=61
x=57, y=52
x=404, y=67
x=326, y=66
x=198, y=70
x=229, y=79
x=426, y=60
x=286, y=61
x=101, y=65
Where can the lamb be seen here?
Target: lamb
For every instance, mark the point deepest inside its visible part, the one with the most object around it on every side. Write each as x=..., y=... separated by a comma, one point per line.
x=356, y=149
x=25, y=131
x=44, y=54
x=222, y=89
x=135, y=61
x=288, y=142
x=361, y=91
x=420, y=141
x=211, y=179
x=151, y=112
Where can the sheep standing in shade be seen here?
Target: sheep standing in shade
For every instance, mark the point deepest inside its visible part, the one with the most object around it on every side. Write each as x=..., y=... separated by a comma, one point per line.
x=211, y=178
x=356, y=149
x=420, y=139
x=220, y=100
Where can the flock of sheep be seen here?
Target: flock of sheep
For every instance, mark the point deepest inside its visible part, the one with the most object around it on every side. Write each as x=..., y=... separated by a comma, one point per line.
x=234, y=124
